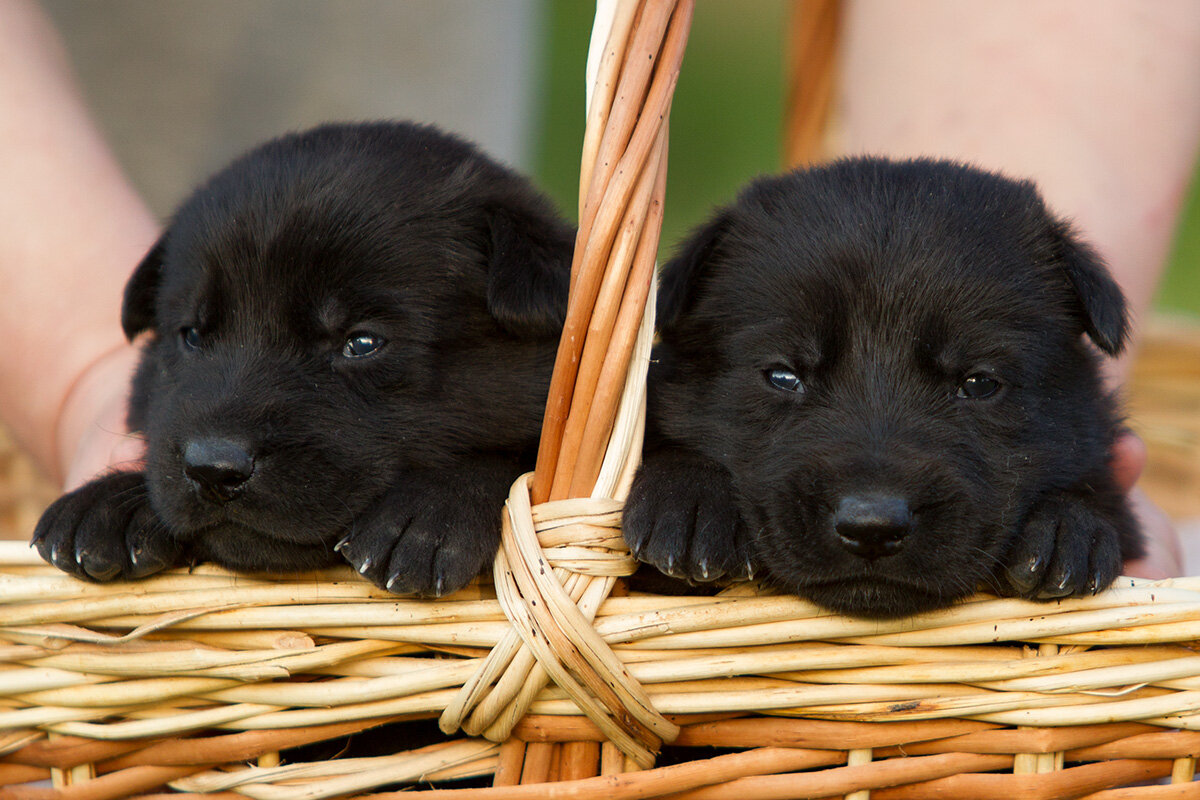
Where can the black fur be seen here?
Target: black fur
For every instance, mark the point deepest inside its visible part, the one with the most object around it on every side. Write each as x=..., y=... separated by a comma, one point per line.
x=880, y=292
x=268, y=447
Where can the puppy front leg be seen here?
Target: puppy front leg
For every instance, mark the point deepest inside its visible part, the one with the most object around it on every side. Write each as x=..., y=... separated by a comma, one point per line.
x=435, y=530
x=106, y=530
x=682, y=518
x=1072, y=542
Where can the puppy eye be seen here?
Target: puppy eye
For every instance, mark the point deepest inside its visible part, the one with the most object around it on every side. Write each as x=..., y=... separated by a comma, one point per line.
x=191, y=337
x=784, y=380
x=978, y=386
x=362, y=345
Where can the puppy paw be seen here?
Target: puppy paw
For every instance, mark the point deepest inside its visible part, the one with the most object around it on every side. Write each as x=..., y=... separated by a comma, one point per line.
x=681, y=518
x=429, y=536
x=106, y=530
x=1070, y=546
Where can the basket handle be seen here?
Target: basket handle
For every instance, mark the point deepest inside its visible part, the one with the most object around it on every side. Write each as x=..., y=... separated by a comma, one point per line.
x=592, y=430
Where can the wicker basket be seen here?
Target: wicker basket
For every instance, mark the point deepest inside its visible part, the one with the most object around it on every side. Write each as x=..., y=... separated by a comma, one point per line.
x=198, y=680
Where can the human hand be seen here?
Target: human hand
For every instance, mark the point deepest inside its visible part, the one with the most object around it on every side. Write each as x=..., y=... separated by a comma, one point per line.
x=1164, y=552
x=92, y=436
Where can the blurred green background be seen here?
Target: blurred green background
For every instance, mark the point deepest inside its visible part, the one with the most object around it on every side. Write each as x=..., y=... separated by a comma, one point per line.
x=727, y=119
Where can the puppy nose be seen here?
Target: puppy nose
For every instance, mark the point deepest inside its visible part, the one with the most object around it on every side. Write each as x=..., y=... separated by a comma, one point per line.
x=872, y=526
x=220, y=467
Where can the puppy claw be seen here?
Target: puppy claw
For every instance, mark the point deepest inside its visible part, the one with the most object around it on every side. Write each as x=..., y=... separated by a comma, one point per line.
x=144, y=562
x=1025, y=578
x=94, y=568
x=425, y=537
x=1061, y=586
x=98, y=531
x=1069, y=546
x=681, y=518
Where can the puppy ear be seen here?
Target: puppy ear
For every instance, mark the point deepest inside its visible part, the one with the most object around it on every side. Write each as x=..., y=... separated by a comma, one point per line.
x=1101, y=303
x=680, y=277
x=529, y=271
x=137, y=309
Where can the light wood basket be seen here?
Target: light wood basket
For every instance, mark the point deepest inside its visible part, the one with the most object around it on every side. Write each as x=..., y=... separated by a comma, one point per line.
x=551, y=677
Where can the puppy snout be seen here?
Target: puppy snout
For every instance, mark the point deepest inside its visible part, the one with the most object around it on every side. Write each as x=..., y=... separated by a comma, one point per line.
x=218, y=467
x=872, y=526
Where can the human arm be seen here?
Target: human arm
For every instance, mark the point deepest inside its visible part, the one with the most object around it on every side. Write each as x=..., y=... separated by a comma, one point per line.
x=71, y=230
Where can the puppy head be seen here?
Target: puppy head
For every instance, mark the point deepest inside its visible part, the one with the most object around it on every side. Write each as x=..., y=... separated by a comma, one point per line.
x=890, y=360
x=333, y=307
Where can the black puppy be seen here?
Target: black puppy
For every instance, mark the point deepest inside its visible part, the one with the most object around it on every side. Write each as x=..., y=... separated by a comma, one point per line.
x=873, y=385
x=353, y=333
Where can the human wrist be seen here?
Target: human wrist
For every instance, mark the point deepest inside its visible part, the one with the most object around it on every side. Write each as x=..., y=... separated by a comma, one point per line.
x=90, y=426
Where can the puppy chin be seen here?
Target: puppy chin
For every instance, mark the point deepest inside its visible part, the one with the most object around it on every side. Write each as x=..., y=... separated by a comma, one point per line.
x=868, y=597
x=248, y=550
x=892, y=586
x=191, y=520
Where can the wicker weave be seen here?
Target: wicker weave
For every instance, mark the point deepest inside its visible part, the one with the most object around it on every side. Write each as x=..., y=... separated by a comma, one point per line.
x=137, y=678
x=199, y=679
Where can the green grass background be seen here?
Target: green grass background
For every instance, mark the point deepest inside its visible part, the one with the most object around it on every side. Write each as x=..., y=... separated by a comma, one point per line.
x=727, y=119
